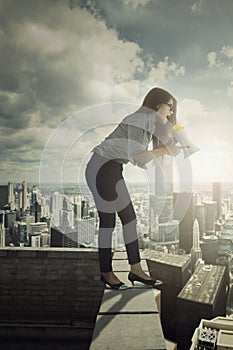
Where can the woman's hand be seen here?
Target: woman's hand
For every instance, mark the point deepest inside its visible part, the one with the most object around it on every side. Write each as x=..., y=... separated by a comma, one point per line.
x=147, y=156
x=162, y=151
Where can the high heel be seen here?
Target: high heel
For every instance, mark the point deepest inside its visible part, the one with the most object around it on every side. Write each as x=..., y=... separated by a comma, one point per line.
x=119, y=286
x=135, y=278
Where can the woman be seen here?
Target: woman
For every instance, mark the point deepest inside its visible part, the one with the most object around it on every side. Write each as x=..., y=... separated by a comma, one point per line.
x=128, y=142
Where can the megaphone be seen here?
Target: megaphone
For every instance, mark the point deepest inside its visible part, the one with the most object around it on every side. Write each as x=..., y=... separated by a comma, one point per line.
x=181, y=137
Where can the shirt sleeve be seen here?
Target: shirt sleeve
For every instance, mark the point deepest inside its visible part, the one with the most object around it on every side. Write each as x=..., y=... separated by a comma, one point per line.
x=138, y=140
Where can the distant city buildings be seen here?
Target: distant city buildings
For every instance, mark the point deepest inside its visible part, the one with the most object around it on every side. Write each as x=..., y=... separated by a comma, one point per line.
x=165, y=219
x=28, y=216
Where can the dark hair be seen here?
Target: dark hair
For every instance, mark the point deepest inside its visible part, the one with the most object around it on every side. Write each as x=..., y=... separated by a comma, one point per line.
x=157, y=96
x=152, y=100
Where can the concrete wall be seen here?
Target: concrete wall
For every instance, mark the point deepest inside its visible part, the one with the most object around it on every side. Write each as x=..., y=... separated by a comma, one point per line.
x=49, y=284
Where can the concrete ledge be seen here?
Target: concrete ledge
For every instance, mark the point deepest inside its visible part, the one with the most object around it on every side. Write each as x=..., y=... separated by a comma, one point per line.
x=128, y=331
x=128, y=319
x=128, y=301
x=67, y=253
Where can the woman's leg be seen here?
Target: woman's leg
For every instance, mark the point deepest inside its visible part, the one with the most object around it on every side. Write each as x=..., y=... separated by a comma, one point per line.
x=107, y=185
x=129, y=226
x=106, y=227
x=101, y=179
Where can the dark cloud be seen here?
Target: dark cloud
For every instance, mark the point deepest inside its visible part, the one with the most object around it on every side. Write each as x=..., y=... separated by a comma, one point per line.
x=36, y=63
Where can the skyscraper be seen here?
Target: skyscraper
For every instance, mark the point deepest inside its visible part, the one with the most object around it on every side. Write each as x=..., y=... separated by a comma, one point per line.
x=209, y=247
x=56, y=205
x=66, y=218
x=11, y=197
x=3, y=196
x=183, y=211
x=210, y=217
x=2, y=230
x=196, y=252
x=162, y=228
x=199, y=214
x=20, y=232
x=217, y=197
x=24, y=196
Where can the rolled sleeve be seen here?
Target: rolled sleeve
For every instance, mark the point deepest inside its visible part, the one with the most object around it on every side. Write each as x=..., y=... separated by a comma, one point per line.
x=137, y=143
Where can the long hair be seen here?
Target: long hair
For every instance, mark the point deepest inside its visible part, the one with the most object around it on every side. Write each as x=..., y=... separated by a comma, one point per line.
x=152, y=100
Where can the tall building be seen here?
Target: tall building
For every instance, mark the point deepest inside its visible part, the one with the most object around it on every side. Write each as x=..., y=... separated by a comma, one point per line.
x=29, y=219
x=77, y=206
x=22, y=232
x=196, y=252
x=11, y=197
x=10, y=217
x=209, y=247
x=183, y=211
x=203, y=296
x=84, y=208
x=162, y=228
x=217, y=197
x=2, y=230
x=35, y=210
x=24, y=195
x=210, y=217
x=3, y=196
x=199, y=214
x=174, y=270
x=66, y=218
x=66, y=237
x=86, y=230
x=56, y=206
x=225, y=240
x=35, y=195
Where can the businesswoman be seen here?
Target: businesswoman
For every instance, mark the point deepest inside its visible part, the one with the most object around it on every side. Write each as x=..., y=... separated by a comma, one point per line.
x=104, y=175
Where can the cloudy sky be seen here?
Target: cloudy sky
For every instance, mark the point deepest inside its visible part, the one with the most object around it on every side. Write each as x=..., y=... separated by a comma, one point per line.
x=70, y=70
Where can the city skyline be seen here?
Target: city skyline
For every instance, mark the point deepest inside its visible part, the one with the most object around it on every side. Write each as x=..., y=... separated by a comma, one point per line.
x=61, y=59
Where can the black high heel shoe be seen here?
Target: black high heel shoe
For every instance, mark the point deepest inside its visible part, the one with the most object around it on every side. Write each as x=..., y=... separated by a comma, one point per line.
x=135, y=278
x=119, y=286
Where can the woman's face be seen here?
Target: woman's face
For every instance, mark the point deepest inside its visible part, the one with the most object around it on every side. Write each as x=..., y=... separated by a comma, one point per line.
x=166, y=109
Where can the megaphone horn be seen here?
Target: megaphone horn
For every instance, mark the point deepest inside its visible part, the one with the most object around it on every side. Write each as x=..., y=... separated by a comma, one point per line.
x=188, y=147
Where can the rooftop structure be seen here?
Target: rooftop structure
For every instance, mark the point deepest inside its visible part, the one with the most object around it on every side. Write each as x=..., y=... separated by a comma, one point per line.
x=167, y=259
x=203, y=285
x=204, y=295
x=174, y=270
x=215, y=334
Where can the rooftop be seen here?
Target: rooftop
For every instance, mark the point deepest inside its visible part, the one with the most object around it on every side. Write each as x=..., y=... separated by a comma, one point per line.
x=202, y=286
x=166, y=258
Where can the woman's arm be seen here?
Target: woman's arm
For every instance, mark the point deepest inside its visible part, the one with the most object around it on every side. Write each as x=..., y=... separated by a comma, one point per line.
x=146, y=156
